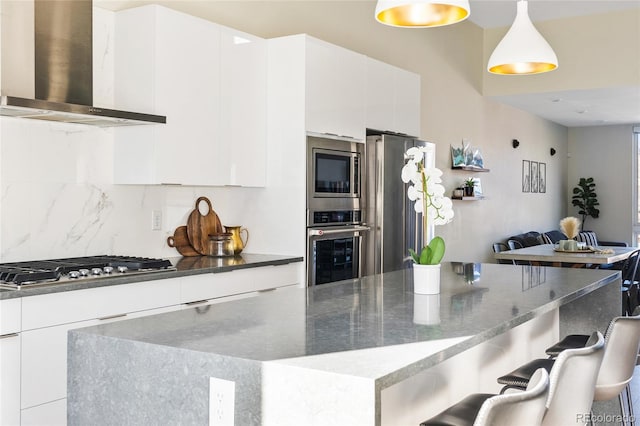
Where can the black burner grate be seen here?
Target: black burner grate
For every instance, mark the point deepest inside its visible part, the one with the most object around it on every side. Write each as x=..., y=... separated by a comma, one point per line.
x=38, y=271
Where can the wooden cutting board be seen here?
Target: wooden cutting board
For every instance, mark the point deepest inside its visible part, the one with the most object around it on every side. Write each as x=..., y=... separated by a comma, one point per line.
x=180, y=241
x=199, y=226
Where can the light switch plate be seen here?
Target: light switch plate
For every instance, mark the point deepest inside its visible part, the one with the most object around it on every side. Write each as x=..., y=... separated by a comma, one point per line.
x=156, y=220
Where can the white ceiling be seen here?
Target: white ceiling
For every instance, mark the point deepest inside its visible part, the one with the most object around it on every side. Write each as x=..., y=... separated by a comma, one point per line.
x=605, y=106
x=500, y=13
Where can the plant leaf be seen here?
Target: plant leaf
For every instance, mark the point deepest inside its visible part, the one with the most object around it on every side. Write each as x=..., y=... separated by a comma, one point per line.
x=414, y=255
x=425, y=255
x=437, y=248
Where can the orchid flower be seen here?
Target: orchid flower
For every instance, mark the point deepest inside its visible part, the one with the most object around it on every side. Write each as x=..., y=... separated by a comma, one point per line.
x=426, y=191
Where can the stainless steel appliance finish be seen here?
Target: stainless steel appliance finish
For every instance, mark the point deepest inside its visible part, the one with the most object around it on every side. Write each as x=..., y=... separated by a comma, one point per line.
x=16, y=275
x=335, y=253
x=395, y=226
x=334, y=175
x=336, y=232
x=63, y=67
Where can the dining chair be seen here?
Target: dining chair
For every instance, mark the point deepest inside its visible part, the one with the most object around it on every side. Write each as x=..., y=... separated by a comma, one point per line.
x=497, y=248
x=630, y=283
x=517, y=408
x=572, y=377
x=513, y=245
x=622, y=344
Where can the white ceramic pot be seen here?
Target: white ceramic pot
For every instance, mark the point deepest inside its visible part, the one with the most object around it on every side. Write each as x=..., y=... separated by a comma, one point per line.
x=426, y=279
x=426, y=309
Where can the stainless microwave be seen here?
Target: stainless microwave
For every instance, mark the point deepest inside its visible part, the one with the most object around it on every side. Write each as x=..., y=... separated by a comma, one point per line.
x=334, y=168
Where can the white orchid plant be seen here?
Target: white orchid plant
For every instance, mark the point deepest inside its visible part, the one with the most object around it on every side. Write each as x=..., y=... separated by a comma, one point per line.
x=426, y=190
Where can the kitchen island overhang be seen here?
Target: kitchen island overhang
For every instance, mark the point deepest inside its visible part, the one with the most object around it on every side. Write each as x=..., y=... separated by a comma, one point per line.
x=345, y=352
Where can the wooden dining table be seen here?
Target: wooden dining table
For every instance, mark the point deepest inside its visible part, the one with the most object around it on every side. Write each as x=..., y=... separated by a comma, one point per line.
x=549, y=254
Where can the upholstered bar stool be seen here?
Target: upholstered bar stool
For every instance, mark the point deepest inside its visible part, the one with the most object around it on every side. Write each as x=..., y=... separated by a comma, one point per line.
x=572, y=377
x=622, y=344
x=518, y=408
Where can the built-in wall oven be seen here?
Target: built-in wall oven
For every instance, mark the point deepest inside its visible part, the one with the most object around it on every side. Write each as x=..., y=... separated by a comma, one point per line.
x=336, y=229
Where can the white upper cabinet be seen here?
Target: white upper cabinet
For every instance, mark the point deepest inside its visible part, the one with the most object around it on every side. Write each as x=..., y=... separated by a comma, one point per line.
x=243, y=91
x=392, y=98
x=335, y=90
x=186, y=68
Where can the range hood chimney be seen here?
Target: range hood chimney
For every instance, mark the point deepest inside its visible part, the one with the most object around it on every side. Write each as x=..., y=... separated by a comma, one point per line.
x=62, y=86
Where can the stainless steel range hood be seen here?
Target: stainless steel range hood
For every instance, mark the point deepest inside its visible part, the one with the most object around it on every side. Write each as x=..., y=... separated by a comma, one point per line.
x=62, y=85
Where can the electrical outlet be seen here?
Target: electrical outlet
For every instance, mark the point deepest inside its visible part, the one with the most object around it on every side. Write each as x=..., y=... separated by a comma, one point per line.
x=221, y=402
x=156, y=220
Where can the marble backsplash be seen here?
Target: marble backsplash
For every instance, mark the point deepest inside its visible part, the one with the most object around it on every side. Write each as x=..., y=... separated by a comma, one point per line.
x=58, y=200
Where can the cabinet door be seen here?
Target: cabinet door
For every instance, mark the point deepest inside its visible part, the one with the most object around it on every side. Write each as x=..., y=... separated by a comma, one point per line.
x=51, y=414
x=380, y=94
x=241, y=144
x=44, y=364
x=10, y=379
x=407, y=102
x=335, y=90
x=44, y=358
x=179, y=71
x=188, y=90
x=393, y=98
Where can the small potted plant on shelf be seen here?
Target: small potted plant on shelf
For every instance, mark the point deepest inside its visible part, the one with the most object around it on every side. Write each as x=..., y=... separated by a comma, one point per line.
x=469, y=185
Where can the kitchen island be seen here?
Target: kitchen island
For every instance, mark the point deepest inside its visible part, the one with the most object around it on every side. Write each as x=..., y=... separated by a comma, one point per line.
x=365, y=351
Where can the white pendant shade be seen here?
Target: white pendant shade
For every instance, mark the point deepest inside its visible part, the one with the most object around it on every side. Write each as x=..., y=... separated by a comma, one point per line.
x=523, y=50
x=421, y=13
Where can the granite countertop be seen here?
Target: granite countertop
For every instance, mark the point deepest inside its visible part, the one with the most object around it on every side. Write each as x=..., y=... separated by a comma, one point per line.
x=476, y=303
x=350, y=352
x=184, y=266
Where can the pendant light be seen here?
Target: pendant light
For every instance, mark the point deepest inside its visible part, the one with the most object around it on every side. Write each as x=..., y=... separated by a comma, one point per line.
x=523, y=50
x=421, y=13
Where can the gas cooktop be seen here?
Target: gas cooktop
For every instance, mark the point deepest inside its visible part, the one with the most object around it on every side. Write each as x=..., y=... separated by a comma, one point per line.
x=57, y=271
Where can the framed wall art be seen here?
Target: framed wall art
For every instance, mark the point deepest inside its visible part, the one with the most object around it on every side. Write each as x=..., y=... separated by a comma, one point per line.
x=534, y=176
x=526, y=176
x=542, y=177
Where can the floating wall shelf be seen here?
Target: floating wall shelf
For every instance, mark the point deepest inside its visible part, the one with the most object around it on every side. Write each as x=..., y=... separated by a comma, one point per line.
x=468, y=198
x=470, y=169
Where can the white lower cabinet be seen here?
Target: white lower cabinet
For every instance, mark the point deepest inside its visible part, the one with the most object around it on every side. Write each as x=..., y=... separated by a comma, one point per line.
x=10, y=379
x=33, y=357
x=50, y=414
x=240, y=281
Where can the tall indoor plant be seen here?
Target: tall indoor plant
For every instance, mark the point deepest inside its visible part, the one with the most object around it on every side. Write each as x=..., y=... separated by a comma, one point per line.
x=586, y=199
x=426, y=191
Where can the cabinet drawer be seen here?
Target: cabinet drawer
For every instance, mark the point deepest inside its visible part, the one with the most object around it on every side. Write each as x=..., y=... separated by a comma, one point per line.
x=209, y=286
x=10, y=316
x=10, y=379
x=61, y=308
x=51, y=414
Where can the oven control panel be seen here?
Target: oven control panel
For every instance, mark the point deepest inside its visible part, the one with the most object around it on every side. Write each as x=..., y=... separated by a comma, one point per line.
x=336, y=217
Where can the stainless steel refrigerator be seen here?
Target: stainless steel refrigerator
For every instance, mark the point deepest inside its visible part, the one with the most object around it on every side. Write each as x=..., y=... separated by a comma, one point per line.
x=395, y=226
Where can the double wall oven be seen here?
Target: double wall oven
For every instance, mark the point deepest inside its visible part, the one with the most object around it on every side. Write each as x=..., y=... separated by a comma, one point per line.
x=336, y=230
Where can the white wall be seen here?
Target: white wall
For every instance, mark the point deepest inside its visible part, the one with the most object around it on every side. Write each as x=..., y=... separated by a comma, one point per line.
x=58, y=200
x=606, y=154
